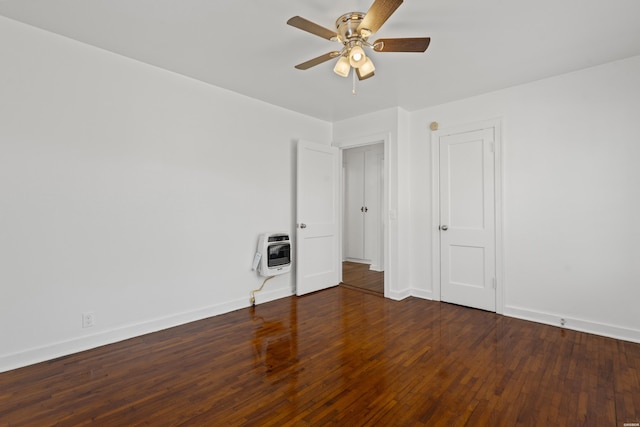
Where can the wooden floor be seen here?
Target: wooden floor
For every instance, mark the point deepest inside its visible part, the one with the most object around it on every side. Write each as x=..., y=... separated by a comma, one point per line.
x=337, y=357
x=359, y=277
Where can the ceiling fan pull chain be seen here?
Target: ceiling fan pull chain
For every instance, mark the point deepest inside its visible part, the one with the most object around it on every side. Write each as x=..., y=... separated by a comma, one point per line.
x=353, y=90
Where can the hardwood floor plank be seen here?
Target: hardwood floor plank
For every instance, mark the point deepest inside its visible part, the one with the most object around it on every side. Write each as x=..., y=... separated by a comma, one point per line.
x=337, y=357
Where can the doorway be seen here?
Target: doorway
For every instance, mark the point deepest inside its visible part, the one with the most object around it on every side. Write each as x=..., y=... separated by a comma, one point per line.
x=363, y=225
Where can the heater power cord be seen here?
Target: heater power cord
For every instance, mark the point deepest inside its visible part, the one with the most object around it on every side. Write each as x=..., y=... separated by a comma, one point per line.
x=253, y=293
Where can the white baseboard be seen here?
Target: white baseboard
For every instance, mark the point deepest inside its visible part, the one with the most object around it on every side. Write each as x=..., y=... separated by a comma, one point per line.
x=76, y=345
x=418, y=293
x=272, y=295
x=421, y=293
x=581, y=325
x=398, y=295
x=358, y=261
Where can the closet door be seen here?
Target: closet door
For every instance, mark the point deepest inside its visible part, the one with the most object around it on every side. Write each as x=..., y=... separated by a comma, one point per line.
x=363, y=172
x=372, y=188
x=354, y=204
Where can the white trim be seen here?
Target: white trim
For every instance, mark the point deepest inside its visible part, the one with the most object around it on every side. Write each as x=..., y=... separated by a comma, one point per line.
x=496, y=125
x=499, y=168
x=397, y=295
x=363, y=140
x=581, y=325
x=435, y=215
x=421, y=293
x=385, y=139
x=357, y=260
x=76, y=345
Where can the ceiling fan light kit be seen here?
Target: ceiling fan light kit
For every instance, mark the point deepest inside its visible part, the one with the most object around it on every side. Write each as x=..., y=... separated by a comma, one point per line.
x=342, y=67
x=356, y=56
x=366, y=70
x=353, y=30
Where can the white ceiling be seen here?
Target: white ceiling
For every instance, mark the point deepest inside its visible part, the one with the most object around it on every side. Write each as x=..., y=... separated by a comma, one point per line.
x=245, y=46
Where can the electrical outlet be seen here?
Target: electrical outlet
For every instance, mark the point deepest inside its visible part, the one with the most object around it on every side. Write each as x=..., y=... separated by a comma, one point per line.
x=88, y=319
x=563, y=322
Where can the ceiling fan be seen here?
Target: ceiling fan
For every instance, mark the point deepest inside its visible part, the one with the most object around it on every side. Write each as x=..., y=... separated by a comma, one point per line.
x=353, y=30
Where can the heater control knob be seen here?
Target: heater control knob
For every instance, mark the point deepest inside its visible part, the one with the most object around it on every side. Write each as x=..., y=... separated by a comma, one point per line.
x=303, y=225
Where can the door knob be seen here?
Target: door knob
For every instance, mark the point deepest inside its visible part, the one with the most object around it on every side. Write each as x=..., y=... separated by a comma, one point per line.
x=303, y=225
x=444, y=227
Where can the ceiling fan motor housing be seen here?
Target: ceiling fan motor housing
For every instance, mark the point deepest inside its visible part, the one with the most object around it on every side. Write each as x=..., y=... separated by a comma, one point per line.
x=347, y=27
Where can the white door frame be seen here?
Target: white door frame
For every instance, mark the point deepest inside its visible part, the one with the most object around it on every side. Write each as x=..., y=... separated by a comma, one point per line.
x=496, y=125
x=383, y=138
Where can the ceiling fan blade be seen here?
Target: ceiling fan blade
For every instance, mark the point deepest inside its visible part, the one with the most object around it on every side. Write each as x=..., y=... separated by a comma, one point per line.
x=312, y=27
x=416, y=44
x=319, y=60
x=378, y=14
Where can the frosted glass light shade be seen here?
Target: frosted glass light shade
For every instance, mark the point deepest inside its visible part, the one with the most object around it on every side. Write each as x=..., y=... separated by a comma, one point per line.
x=357, y=57
x=342, y=67
x=366, y=69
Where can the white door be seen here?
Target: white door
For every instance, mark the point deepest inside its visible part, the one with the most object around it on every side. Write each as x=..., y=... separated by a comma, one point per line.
x=354, y=204
x=318, y=210
x=467, y=219
x=373, y=161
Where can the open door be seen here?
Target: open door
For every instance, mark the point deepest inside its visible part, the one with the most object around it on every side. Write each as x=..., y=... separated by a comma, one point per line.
x=317, y=217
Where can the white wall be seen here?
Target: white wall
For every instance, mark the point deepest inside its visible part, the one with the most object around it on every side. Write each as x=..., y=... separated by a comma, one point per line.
x=131, y=192
x=571, y=196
